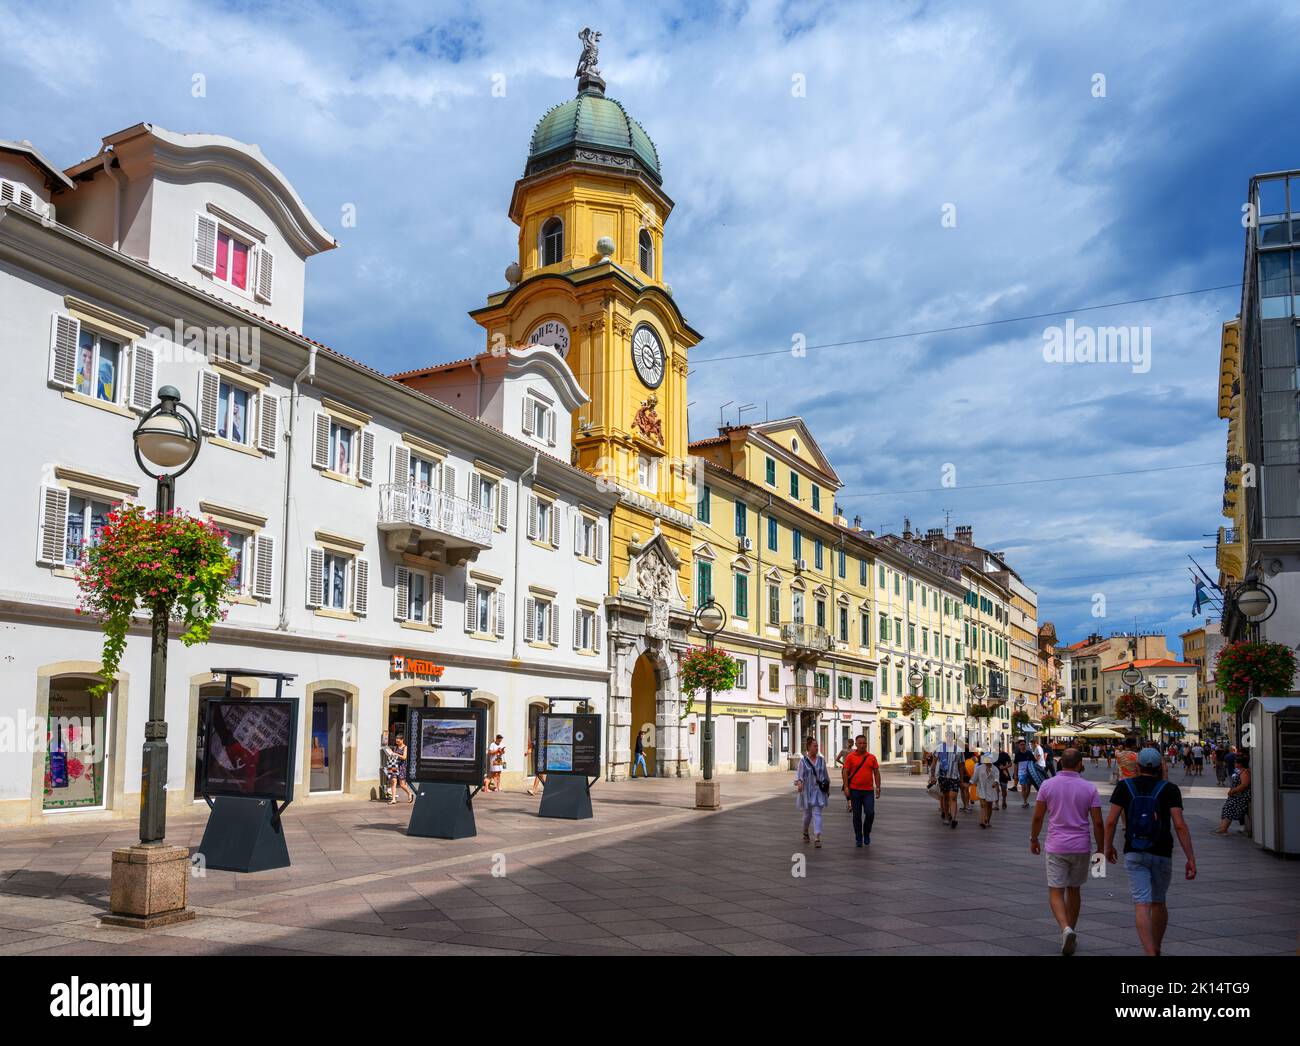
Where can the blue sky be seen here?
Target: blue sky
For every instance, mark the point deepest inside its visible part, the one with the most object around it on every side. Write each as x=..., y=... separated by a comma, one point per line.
x=818, y=215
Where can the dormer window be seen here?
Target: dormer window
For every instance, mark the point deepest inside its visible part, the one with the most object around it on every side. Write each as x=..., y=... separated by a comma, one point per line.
x=646, y=253
x=233, y=256
x=552, y=245
x=232, y=253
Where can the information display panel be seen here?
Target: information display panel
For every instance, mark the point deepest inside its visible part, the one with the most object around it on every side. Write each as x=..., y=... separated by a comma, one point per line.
x=249, y=748
x=446, y=745
x=568, y=743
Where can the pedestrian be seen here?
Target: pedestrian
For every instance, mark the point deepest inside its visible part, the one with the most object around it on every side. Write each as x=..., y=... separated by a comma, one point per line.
x=387, y=760
x=1071, y=805
x=496, y=763
x=946, y=769
x=988, y=783
x=1153, y=811
x=639, y=755
x=1110, y=755
x=1003, y=763
x=1127, y=760
x=1096, y=753
x=968, y=781
x=861, y=778
x=1220, y=765
x=1237, y=805
x=813, y=786
x=539, y=778
x=397, y=772
x=1024, y=759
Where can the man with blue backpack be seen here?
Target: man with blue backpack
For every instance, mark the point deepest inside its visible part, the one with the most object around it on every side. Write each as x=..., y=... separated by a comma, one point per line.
x=1153, y=812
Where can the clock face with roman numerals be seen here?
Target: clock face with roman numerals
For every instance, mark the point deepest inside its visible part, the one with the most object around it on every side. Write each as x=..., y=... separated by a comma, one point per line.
x=648, y=356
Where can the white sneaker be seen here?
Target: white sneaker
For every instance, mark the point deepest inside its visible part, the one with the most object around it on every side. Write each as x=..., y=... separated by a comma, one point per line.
x=1069, y=941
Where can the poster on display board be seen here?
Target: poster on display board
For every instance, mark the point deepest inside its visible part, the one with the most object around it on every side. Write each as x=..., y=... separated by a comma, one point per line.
x=568, y=743
x=249, y=748
x=447, y=745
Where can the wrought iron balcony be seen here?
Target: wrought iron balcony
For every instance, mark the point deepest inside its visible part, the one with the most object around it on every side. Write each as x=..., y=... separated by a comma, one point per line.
x=804, y=695
x=803, y=640
x=432, y=523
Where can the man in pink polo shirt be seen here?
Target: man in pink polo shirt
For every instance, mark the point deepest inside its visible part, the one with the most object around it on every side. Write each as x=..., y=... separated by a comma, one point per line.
x=1071, y=805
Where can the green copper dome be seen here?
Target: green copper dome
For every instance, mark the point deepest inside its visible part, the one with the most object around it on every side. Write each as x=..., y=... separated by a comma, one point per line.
x=596, y=124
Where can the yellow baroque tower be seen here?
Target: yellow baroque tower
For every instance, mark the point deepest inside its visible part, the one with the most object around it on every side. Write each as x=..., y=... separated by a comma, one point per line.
x=591, y=211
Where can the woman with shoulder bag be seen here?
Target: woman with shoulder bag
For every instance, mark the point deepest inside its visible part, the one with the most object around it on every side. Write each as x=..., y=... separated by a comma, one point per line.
x=813, y=785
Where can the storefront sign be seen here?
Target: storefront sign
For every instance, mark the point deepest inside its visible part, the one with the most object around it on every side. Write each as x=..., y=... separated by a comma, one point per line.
x=414, y=667
x=748, y=710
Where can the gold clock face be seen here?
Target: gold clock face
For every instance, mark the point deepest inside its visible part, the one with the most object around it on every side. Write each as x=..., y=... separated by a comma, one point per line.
x=552, y=333
x=648, y=356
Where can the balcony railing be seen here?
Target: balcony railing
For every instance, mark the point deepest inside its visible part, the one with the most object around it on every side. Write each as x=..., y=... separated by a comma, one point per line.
x=804, y=695
x=435, y=512
x=806, y=637
x=1227, y=535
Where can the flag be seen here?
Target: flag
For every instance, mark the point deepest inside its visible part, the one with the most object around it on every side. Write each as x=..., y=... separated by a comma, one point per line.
x=1201, y=596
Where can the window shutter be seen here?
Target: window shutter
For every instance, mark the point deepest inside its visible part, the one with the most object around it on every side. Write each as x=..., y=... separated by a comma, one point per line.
x=320, y=444
x=528, y=416
x=555, y=524
x=595, y=630
x=401, y=593
x=577, y=630
x=366, y=466
x=265, y=274
x=503, y=505
x=532, y=517
x=550, y=427
x=360, y=586
x=475, y=493
x=315, y=577
x=143, y=366
x=65, y=332
x=500, y=600
x=553, y=620
x=205, y=243
x=530, y=617
x=600, y=542
x=471, y=607
x=209, y=393
x=263, y=566
x=577, y=535
x=448, y=479
x=399, y=465
x=52, y=543
x=268, y=421
x=439, y=586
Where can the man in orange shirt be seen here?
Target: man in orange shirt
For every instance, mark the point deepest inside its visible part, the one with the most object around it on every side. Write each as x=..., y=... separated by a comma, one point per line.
x=861, y=776
x=1127, y=759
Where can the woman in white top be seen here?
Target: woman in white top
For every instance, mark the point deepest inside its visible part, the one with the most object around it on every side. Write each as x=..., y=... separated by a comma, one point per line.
x=987, y=788
x=496, y=763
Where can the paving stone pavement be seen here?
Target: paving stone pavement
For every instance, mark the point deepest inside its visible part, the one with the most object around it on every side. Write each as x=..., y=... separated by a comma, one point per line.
x=648, y=874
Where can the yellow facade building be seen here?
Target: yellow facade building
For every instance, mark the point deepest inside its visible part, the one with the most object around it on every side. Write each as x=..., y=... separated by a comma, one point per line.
x=1230, y=553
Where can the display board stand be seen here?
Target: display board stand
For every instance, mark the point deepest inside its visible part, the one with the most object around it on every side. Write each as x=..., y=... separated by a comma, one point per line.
x=565, y=795
x=443, y=811
x=244, y=835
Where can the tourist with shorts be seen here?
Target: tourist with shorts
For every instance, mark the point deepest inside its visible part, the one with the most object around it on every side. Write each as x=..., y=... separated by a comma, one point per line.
x=1071, y=806
x=861, y=780
x=1003, y=764
x=1153, y=811
x=1198, y=759
x=947, y=769
x=1024, y=761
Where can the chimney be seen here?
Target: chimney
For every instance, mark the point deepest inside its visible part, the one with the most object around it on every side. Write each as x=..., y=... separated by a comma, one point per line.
x=934, y=534
x=965, y=535
x=907, y=529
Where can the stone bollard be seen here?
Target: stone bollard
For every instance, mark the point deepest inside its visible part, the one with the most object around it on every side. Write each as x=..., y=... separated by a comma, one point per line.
x=708, y=795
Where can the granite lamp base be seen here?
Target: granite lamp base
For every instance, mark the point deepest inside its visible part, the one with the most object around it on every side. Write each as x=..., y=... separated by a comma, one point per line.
x=708, y=795
x=148, y=887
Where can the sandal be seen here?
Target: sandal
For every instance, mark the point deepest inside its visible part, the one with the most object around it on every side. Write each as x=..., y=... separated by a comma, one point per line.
x=808, y=839
x=818, y=843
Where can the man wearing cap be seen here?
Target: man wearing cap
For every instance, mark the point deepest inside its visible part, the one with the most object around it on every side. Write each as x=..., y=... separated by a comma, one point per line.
x=1153, y=810
x=1071, y=805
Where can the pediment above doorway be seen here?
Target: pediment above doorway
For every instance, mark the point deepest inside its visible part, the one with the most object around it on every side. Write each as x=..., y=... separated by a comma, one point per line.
x=654, y=572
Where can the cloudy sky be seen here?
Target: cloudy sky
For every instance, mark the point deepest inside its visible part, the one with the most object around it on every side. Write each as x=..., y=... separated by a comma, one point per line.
x=841, y=172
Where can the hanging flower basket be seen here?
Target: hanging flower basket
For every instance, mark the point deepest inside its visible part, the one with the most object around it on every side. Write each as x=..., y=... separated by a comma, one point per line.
x=1020, y=717
x=704, y=669
x=1050, y=721
x=170, y=563
x=979, y=711
x=1132, y=707
x=917, y=704
x=1253, y=668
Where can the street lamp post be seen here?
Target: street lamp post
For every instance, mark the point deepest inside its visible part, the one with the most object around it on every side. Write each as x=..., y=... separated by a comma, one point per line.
x=1131, y=677
x=709, y=619
x=979, y=691
x=1149, y=692
x=168, y=438
x=914, y=680
x=1256, y=602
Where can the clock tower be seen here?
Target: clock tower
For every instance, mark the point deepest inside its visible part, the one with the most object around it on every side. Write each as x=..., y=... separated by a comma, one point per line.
x=589, y=281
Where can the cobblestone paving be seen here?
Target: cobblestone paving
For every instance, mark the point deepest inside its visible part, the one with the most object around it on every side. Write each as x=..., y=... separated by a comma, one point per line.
x=646, y=874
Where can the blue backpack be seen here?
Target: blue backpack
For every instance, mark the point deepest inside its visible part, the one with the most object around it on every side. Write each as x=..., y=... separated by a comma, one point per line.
x=1143, y=817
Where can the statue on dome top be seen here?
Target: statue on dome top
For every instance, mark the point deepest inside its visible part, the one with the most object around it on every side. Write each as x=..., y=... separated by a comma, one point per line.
x=587, y=63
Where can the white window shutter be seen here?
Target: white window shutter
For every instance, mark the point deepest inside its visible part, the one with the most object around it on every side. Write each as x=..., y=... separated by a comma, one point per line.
x=205, y=243
x=320, y=444
x=268, y=421
x=209, y=394
x=532, y=517
x=471, y=607
x=550, y=427
x=475, y=493
x=500, y=600
x=143, y=366
x=315, y=577
x=577, y=630
x=448, y=479
x=555, y=524
x=595, y=630
x=600, y=542
x=503, y=505
x=52, y=543
x=528, y=416
x=399, y=465
x=360, y=586
x=366, y=466
x=530, y=618
x=439, y=587
x=263, y=566
x=577, y=535
x=65, y=332
x=265, y=274
x=553, y=620
x=401, y=593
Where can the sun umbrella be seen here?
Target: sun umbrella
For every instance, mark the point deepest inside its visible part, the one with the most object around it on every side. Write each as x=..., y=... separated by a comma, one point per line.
x=1100, y=732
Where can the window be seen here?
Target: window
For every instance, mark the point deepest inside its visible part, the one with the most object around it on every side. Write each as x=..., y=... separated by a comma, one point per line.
x=816, y=498
x=771, y=534
x=702, y=508
x=898, y=681
x=86, y=518
x=99, y=367
x=771, y=472
x=864, y=628
x=335, y=581
x=884, y=681
x=911, y=591
x=883, y=630
x=898, y=630
x=418, y=597
x=925, y=640
x=821, y=613
x=341, y=440
x=586, y=632
x=589, y=538
x=844, y=624
x=541, y=623
x=911, y=637
x=539, y=419
x=796, y=544
x=543, y=521
x=865, y=691
x=862, y=573
x=741, y=519
x=742, y=674
x=898, y=591
x=843, y=564
x=818, y=553
x=922, y=595
x=646, y=253
x=794, y=484
x=233, y=256
x=552, y=245
x=232, y=413
x=822, y=681
x=703, y=582
x=647, y=473
x=773, y=604
x=845, y=685
x=485, y=610
x=796, y=606
x=238, y=545
x=773, y=678
x=742, y=595
x=880, y=576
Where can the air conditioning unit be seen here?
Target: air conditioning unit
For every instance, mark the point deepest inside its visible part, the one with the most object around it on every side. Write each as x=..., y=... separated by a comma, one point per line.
x=747, y=544
x=801, y=565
